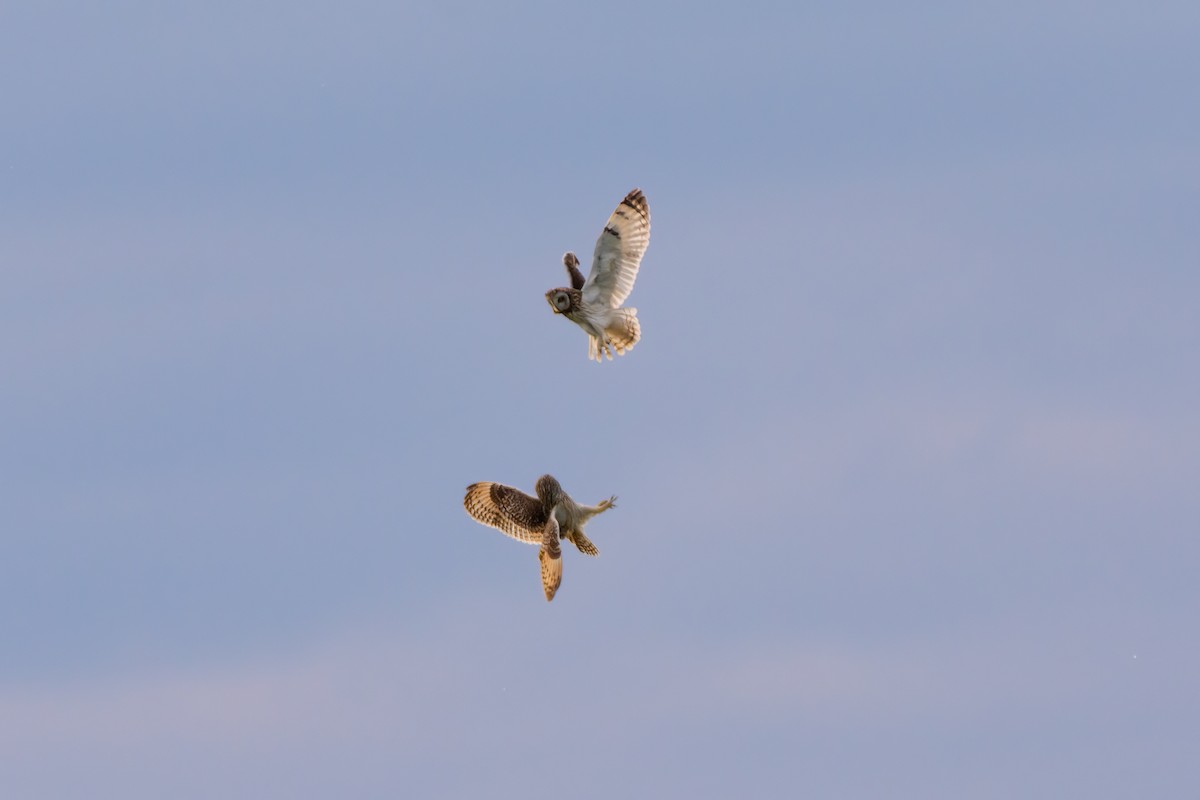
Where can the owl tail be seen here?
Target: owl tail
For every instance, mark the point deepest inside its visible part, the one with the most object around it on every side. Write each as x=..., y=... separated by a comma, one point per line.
x=621, y=334
x=551, y=571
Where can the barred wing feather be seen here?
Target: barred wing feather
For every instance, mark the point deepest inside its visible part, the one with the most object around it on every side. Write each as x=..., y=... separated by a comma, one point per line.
x=619, y=252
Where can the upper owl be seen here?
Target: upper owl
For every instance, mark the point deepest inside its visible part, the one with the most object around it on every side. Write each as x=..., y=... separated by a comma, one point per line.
x=594, y=304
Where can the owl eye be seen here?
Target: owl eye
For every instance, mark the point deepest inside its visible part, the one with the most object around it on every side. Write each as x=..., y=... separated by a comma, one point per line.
x=562, y=301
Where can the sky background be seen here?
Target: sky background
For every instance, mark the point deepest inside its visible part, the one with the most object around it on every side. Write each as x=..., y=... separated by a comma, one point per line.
x=906, y=459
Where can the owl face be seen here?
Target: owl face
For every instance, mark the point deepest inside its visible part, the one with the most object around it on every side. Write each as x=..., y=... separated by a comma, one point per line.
x=564, y=301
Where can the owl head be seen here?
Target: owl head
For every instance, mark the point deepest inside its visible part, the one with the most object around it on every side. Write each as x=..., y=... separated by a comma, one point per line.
x=549, y=491
x=564, y=301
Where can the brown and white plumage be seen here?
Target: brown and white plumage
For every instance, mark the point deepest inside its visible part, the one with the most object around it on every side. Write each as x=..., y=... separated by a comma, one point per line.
x=550, y=558
x=542, y=520
x=594, y=304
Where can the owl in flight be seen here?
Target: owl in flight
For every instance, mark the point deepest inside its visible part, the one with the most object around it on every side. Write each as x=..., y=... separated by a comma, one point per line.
x=595, y=304
x=543, y=520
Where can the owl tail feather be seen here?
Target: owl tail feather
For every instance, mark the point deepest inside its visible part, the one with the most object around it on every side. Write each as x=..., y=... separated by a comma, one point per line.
x=551, y=572
x=621, y=334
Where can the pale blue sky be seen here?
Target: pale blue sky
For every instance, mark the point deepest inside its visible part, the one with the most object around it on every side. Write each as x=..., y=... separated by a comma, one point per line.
x=906, y=458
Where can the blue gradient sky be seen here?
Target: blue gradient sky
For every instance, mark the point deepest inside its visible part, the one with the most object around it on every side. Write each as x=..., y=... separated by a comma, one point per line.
x=907, y=457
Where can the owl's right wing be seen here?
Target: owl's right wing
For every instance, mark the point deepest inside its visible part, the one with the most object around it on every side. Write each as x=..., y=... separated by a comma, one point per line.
x=550, y=556
x=619, y=252
x=508, y=510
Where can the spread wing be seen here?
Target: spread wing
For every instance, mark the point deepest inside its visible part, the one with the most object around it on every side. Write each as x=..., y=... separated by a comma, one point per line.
x=550, y=557
x=619, y=252
x=508, y=510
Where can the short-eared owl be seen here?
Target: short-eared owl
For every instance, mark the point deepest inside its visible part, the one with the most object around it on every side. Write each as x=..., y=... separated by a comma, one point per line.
x=594, y=304
x=542, y=520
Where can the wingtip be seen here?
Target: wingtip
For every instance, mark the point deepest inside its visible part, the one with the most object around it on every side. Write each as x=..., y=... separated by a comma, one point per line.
x=551, y=573
x=638, y=202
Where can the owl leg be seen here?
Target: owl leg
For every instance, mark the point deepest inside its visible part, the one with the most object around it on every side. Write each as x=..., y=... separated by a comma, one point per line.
x=587, y=512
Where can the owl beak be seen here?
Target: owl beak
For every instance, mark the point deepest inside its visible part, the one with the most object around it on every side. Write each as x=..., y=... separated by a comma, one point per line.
x=550, y=300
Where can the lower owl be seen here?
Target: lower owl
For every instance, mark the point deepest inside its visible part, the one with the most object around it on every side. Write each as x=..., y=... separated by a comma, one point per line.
x=543, y=520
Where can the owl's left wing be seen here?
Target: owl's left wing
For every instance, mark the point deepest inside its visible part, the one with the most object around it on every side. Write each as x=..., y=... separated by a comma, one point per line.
x=619, y=252
x=550, y=557
x=508, y=510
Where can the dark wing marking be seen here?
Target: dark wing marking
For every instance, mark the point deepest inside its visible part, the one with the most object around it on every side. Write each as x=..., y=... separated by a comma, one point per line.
x=571, y=262
x=508, y=510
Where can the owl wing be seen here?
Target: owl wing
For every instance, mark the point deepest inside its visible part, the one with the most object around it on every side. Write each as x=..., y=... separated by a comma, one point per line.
x=571, y=262
x=508, y=510
x=550, y=557
x=619, y=252
x=583, y=543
